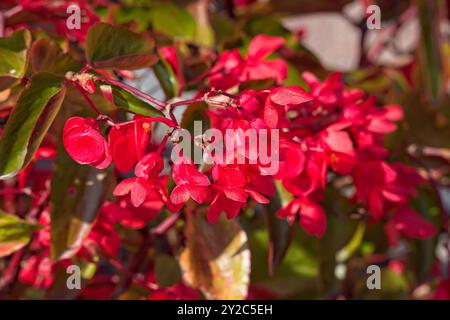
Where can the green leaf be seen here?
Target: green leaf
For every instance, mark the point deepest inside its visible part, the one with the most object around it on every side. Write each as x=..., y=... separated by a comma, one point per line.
x=266, y=25
x=29, y=121
x=195, y=112
x=280, y=233
x=225, y=30
x=114, y=47
x=353, y=245
x=167, y=271
x=15, y=233
x=216, y=259
x=46, y=55
x=126, y=100
x=77, y=193
x=256, y=84
x=13, y=57
x=166, y=77
x=294, y=78
x=172, y=21
x=297, y=274
x=432, y=59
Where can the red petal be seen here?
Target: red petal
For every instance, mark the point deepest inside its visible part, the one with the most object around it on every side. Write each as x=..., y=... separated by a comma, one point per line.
x=105, y=161
x=198, y=193
x=394, y=112
x=139, y=192
x=313, y=218
x=338, y=141
x=235, y=194
x=381, y=125
x=271, y=115
x=124, y=187
x=290, y=96
x=258, y=197
x=72, y=123
x=179, y=194
x=412, y=225
x=263, y=45
x=84, y=148
x=215, y=209
x=230, y=177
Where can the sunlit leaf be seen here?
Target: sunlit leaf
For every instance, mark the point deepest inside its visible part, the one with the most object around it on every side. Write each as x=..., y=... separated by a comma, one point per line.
x=30, y=120
x=172, y=21
x=15, y=233
x=216, y=259
x=77, y=193
x=14, y=57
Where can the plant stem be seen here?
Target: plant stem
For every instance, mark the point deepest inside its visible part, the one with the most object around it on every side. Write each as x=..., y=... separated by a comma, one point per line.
x=10, y=273
x=165, y=225
x=161, y=105
x=86, y=97
x=134, y=266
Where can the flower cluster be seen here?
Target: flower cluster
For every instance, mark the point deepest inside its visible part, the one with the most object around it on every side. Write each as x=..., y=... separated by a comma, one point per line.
x=327, y=129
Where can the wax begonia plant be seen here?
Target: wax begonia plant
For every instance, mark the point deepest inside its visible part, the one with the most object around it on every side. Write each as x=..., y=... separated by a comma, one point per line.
x=89, y=177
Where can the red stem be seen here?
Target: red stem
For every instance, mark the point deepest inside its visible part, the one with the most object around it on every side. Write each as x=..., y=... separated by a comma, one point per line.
x=86, y=97
x=165, y=225
x=163, y=144
x=11, y=272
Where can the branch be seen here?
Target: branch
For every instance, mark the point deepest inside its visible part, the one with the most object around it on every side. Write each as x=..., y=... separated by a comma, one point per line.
x=134, y=266
x=161, y=105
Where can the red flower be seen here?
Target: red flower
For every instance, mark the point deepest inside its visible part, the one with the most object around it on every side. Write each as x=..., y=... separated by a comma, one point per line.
x=226, y=72
x=190, y=183
x=231, y=192
x=312, y=216
x=99, y=287
x=132, y=217
x=291, y=160
x=128, y=142
x=330, y=92
x=84, y=143
x=256, y=66
x=409, y=223
x=311, y=178
x=442, y=290
x=104, y=236
x=232, y=69
x=371, y=181
x=176, y=292
x=147, y=184
x=280, y=101
x=37, y=270
x=339, y=148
